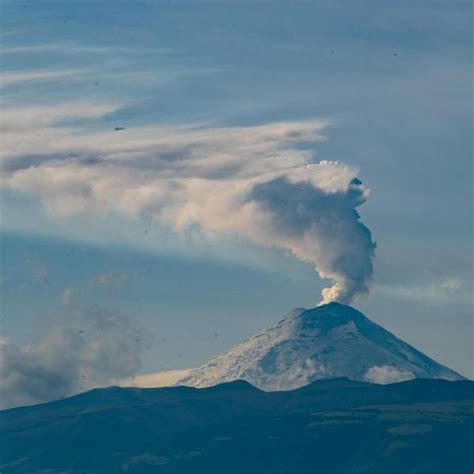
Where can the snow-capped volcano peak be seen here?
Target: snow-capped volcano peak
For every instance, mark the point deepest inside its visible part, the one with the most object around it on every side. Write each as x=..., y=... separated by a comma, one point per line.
x=332, y=340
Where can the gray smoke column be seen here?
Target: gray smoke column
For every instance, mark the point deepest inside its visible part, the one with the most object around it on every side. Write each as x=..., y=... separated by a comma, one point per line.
x=324, y=228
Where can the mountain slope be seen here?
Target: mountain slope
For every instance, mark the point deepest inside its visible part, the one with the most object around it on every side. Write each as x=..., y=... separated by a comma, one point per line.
x=330, y=426
x=328, y=341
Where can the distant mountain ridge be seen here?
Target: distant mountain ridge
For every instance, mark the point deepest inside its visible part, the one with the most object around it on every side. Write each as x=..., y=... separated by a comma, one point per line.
x=328, y=341
x=335, y=426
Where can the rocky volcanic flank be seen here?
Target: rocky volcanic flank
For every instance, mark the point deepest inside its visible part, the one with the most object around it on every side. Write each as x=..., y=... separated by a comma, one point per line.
x=328, y=341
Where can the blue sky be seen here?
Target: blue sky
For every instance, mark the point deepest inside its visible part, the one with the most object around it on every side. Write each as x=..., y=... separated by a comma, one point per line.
x=382, y=88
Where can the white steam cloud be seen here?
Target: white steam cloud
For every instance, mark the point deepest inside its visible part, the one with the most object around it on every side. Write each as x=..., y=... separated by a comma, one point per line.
x=257, y=182
x=323, y=228
x=386, y=374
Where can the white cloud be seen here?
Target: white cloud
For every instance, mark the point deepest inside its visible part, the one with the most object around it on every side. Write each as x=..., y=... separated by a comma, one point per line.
x=31, y=122
x=256, y=182
x=8, y=78
x=167, y=378
x=385, y=374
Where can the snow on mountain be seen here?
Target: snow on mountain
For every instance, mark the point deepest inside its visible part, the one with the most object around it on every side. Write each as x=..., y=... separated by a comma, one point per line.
x=328, y=341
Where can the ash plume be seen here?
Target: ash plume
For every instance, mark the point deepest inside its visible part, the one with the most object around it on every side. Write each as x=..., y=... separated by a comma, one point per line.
x=323, y=228
x=256, y=182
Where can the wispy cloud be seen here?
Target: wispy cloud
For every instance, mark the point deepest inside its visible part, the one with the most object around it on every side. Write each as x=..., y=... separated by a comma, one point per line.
x=72, y=356
x=77, y=48
x=67, y=296
x=112, y=282
x=9, y=78
x=257, y=182
x=443, y=290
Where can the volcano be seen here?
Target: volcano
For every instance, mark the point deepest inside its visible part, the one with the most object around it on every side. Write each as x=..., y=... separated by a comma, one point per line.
x=328, y=341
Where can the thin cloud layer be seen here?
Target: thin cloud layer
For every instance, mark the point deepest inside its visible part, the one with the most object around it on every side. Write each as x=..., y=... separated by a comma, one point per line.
x=166, y=378
x=446, y=290
x=259, y=182
x=8, y=78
